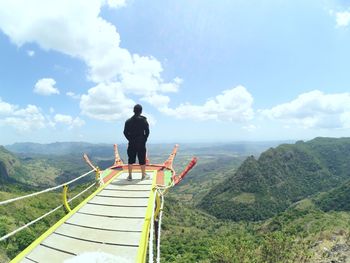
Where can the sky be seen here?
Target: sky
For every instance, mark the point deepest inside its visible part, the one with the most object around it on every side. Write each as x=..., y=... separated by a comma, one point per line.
x=204, y=71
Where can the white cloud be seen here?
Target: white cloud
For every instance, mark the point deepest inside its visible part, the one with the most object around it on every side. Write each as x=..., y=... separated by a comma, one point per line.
x=6, y=108
x=231, y=105
x=106, y=102
x=46, y=87
x=30, y=53
x=342, y=18
x=26, y=119
x=80, y=32
x=249, y=127
x=31, y=118
x=157, y=100
x=314, y=109
x=116, y=3
x=144, y=77
x=69, y=120
x=73, y=95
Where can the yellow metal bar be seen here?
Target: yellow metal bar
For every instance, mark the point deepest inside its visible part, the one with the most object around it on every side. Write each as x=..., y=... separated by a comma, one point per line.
x=142, y=252
x=98, y=176
x=156, y=213
x=20, y=256
x=65, y=199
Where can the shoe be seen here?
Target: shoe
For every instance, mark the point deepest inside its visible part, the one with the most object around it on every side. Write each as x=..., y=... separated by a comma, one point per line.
x=144, y=177
x=129, y=178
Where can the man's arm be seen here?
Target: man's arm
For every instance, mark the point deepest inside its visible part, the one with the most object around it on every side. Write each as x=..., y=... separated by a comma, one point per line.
x=126, y=132
x=146, y=129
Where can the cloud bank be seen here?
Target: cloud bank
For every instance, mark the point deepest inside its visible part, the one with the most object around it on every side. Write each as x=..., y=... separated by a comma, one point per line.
x=32, y=118
x=231, y=105
x=80, y=32
x=314, y=109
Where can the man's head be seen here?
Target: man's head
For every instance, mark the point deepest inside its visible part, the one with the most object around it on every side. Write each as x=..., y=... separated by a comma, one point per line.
x=137, y=109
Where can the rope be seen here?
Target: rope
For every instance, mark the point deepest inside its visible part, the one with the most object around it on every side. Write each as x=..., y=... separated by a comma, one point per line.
x=43, y=216
x=29, y=224
x=158, y=190
x=159, y=226
x=82, y=192
x=150, y=251
x=44, y=191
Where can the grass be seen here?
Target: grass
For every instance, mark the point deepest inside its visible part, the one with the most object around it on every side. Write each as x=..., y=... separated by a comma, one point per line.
x=244, y=198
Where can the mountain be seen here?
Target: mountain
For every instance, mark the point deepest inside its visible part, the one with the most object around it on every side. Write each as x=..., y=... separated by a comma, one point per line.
x=10, y=166
x=39, y=170
x=307, y=231
x=336, y=199
x=263, y=187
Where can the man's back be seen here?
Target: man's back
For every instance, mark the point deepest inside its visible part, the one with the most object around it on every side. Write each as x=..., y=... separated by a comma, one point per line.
x=136, y=128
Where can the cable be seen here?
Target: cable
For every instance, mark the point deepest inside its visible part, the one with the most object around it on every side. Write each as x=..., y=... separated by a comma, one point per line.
x=159, y=227
x=44, y=191
x=43, y=216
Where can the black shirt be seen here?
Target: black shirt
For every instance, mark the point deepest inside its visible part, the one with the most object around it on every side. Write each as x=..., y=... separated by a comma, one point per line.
x=136, y=128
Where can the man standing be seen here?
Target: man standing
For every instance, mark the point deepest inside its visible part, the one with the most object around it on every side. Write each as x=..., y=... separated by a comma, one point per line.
x=136, y=131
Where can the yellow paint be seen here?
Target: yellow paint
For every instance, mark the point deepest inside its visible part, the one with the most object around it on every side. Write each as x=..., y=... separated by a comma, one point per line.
x=65, y=199
x=20, y=256
x=158, y=206
x=142, y=252
x=98, y=172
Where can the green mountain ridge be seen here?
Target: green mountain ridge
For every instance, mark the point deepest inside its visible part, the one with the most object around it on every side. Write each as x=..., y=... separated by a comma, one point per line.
x=307, y=230
x=337, y=199
x=39, y=170
x=10, y=166
x=281, y=176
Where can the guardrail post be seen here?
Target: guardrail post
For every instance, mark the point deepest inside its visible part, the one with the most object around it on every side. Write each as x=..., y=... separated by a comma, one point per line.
x=65, y=199
x=98, y=176
x=157, y=204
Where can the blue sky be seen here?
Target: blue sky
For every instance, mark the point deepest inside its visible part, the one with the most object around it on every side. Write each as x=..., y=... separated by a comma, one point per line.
x=214, y=71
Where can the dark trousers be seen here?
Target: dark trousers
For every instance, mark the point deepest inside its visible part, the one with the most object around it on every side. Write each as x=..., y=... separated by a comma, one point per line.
x=137, y=148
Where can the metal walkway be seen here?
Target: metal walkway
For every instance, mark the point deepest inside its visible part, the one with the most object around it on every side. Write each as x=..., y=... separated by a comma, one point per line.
x=111, y=221
x=116, y=219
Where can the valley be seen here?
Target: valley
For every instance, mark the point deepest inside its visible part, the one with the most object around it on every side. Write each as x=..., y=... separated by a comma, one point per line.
x=283, y=204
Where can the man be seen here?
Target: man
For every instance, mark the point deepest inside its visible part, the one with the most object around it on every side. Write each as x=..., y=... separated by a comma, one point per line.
x=136, y=131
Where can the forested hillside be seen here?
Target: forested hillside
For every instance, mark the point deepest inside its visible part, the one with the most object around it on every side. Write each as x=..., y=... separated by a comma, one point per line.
x=301, y=190
x=10, y=166
x=337, y=199
x=263, y=187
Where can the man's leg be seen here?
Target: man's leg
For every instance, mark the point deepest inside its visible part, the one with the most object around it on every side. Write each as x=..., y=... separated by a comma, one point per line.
x=132, y=158
x=130, y=171
x=143, y=171
x=141, y=155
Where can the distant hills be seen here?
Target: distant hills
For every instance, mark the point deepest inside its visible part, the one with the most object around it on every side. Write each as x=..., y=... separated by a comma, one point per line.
x=34, y=167
x=263, y=187
x=61, y=148
x=104, y=149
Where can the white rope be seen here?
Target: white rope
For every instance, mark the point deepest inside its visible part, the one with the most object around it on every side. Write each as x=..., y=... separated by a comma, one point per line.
x=150, y=246
x=29, y=224
x=44, y=191
x=159, y=227
x=43, y=216
x=82, y=192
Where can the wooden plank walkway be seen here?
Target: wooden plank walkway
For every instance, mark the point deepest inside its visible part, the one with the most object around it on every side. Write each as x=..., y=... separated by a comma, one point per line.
x=111, y=222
